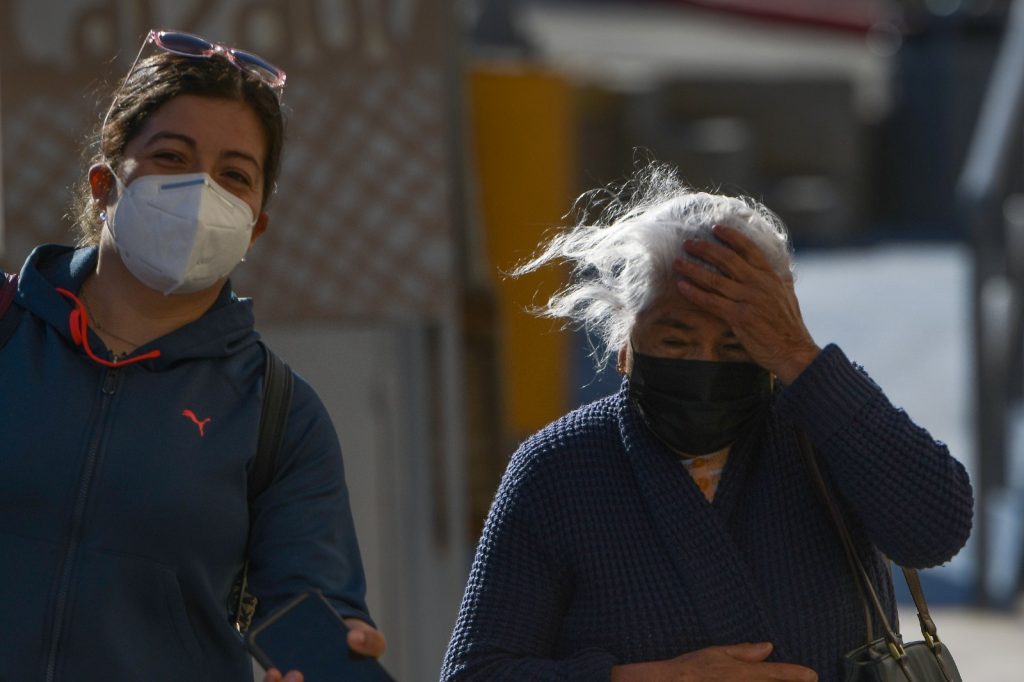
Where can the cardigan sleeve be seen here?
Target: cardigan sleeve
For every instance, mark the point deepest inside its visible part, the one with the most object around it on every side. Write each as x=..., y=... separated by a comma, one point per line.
x=912, y=497
x=515, y=598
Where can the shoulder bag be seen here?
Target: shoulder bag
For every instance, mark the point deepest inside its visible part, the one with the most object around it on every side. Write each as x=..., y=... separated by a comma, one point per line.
x=886, y=658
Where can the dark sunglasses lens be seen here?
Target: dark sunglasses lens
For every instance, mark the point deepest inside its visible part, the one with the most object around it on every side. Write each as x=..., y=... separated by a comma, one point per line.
x=183, y=43
x=259, y=67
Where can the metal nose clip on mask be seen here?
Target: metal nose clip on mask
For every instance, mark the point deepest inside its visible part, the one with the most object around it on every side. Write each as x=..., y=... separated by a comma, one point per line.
x=179, y=234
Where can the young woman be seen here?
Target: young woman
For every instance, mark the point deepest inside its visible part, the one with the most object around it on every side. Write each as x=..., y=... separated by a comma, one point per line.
x=131, y=398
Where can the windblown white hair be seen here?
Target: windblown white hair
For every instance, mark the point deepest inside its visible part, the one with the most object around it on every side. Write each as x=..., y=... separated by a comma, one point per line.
x=622, y=261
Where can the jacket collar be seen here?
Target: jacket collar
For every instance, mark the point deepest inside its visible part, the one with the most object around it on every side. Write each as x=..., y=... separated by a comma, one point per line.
x=224, y=329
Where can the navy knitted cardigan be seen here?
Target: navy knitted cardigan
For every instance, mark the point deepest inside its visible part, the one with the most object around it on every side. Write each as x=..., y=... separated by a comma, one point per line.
x=599, y=549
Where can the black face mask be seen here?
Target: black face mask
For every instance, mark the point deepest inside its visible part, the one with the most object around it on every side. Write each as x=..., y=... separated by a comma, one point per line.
x=699, y=407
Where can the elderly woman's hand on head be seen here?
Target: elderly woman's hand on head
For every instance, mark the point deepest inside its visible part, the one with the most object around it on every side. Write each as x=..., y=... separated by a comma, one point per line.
x=759, y=304
x=363, y=639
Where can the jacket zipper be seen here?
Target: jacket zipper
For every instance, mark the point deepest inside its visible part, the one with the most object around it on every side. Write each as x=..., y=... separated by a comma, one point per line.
x=110, y=382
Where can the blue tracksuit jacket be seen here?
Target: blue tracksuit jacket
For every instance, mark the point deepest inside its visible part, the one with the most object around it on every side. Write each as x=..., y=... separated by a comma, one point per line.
x=123, y=511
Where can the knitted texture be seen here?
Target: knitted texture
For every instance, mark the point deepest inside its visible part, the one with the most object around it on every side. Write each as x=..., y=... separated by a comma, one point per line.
x=600, y=549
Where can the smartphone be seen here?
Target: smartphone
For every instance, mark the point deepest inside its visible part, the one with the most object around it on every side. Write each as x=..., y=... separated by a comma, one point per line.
x=307, y=635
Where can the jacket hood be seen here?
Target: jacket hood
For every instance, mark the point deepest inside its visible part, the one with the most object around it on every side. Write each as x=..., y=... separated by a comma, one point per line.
x=223, y=330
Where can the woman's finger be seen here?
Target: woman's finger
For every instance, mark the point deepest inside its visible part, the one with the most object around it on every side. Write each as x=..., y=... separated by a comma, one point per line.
x=708, y=279
x=719, y=255
x=743, y=245
x=365, y=639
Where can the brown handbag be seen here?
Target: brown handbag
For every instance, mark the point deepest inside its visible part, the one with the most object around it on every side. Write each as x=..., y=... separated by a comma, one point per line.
x=885, y=658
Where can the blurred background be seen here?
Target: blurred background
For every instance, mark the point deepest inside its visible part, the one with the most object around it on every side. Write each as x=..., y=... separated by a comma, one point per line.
x=433, y=143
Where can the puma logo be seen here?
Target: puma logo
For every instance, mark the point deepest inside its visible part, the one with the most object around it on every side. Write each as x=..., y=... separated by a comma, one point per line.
x=195, y=420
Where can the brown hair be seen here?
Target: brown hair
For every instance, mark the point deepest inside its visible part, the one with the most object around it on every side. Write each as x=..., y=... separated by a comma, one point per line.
x=154, y=81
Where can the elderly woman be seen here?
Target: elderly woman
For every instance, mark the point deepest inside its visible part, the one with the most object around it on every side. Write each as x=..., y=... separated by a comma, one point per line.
x=672, y=531
x=131, y=402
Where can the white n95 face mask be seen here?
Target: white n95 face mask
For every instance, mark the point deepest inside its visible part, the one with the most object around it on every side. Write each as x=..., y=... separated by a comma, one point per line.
x=179, y=234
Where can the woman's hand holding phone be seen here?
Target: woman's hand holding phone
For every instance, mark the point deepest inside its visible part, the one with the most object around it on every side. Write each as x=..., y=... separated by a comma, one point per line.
x=362, y=638
x=309, y=640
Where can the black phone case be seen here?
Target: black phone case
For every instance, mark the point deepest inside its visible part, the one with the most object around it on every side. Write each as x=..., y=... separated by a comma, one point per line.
x=355, y=668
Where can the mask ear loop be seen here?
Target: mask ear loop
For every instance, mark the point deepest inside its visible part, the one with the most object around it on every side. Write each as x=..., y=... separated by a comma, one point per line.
x=119, y=189
x=78, y=321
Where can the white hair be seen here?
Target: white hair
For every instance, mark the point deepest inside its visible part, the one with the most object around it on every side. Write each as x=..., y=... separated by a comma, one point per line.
x=622, y=261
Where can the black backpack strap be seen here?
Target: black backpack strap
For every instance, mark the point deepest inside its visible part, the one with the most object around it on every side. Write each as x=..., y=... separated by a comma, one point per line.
x=278, y=384
x=9, y=312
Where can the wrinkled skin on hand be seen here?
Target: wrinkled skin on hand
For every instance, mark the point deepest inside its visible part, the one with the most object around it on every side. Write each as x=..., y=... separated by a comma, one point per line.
x=758, y=304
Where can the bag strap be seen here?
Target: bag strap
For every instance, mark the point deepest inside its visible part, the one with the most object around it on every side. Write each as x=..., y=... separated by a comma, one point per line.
x=928, y=627
x=278, y=385
x=865, y=586
x=895, y=642
x=9, y=313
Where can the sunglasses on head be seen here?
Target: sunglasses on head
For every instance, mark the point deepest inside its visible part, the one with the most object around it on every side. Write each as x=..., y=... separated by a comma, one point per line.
x=189, y=45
